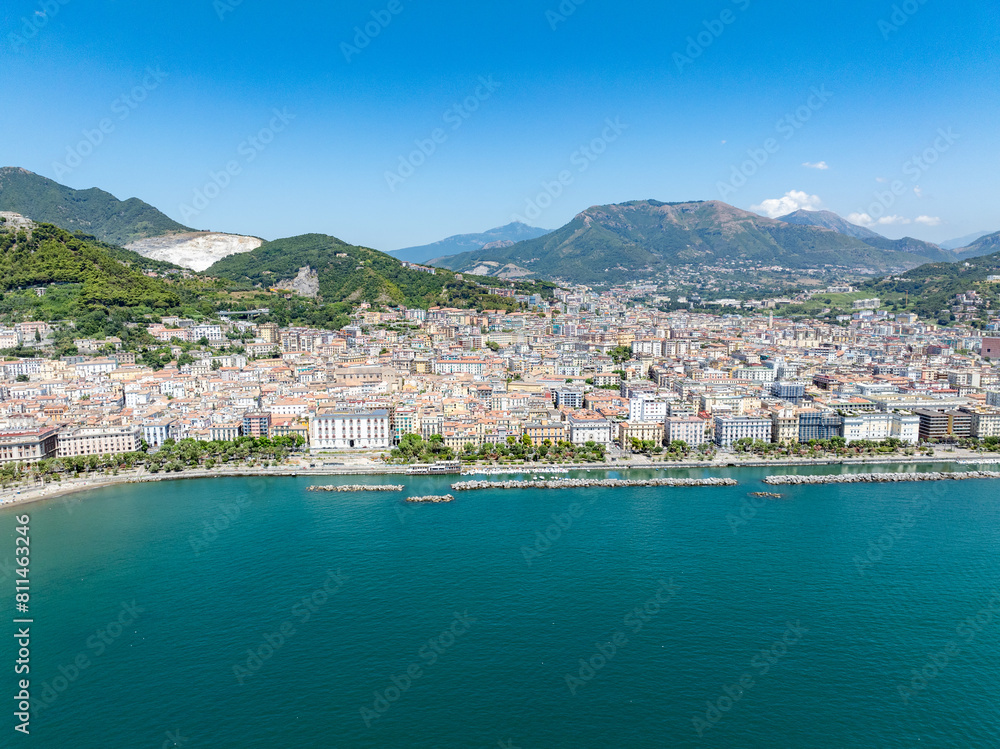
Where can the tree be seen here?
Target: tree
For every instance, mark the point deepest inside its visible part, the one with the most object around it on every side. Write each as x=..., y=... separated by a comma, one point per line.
x=22, y=378
x=621, y=354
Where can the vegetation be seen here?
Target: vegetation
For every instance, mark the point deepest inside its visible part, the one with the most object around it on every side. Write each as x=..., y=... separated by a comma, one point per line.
x=521, y=450
x=349, y=274
x=413, y=449
x=92, y=211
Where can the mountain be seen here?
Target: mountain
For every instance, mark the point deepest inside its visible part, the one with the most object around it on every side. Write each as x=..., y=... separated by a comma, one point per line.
x=91, y=211
x=349, y=274
x=130, y=223
x=513, y=232
x=932, y=288
x=833, y=222
x=968, y=239
x=830, y=220
x=642, y=239
x=41, y=254
x=985, y=245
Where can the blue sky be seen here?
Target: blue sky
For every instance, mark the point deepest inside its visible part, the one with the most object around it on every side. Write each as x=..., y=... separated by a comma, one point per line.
x=697, y=90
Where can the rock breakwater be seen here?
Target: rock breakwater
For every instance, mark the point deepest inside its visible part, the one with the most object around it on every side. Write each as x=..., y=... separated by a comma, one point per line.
x=464, y=486
x=357, y=488
x=879, y=478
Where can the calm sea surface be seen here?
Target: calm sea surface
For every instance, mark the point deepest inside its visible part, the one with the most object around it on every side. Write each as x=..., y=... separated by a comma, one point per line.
x=251, y=613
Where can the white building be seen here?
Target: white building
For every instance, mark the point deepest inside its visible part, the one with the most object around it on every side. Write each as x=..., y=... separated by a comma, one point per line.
x=641, y=408
x=213, y=333
x=688, y=429
x=346, y=430
x=730, y=429
x=583, y=430
x=158, y=432
x=97, y=441
x=906, y=427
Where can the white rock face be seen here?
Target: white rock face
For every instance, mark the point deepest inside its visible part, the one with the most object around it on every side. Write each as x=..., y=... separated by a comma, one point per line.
x=196, y=250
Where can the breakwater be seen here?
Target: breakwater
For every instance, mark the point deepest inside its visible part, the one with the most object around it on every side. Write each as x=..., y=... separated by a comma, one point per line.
x=432, y=498
x=464, y=486
x=357, y=488
x=879, y=478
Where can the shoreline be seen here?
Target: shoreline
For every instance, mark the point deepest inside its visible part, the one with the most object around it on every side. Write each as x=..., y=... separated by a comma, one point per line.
x=56, y=490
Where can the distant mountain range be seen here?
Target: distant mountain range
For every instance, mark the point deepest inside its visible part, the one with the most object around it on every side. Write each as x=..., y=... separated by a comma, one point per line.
x=640, y=239
x=128, y=223
x=968, y=239
x=833, y=222
x=513, y=232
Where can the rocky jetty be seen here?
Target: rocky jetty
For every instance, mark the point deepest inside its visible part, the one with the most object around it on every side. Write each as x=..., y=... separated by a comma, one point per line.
x=432, y=498
x=464, y=486
x=768, y=495
x=879, y=478
x=357, y=488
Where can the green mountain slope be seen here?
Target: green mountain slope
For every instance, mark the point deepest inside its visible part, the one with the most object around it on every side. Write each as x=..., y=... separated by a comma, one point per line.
x=91, y=211
x=636, y=240
x=932, y=287
x=45, y=254
x=983, y=246
x=358, y=274
x=833, y=222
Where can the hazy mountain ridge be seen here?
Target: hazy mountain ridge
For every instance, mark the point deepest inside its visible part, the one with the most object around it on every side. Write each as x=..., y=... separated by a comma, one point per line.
x=512, y=232
x=635, y=240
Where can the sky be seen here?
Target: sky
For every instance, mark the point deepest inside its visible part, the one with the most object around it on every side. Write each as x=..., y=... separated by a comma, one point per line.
x=391, y=123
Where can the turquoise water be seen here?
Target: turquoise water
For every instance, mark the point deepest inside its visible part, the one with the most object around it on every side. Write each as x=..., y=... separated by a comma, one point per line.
x=338, y=596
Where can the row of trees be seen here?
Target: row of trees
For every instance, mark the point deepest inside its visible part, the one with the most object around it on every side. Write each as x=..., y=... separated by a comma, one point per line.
x=171, y=457
x=522, y=450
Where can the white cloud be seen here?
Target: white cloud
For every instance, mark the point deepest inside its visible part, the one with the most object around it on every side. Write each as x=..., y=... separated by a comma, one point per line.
x=918, y=191
x=822, y=165
x=881, y=179
x=863, y=219
x=928, y=220
x=793, y=200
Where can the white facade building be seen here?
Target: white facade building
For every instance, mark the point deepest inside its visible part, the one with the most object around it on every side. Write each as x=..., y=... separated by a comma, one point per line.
x=347, y=430
x=730, y=429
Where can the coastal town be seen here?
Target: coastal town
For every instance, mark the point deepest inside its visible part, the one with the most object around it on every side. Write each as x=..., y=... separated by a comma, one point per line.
x=605, y=371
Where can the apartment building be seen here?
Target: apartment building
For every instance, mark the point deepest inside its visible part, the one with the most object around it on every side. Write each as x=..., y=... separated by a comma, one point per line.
x=97, y=441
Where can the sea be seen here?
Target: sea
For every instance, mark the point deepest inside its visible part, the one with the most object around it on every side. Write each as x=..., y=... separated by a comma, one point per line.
x=250, y=612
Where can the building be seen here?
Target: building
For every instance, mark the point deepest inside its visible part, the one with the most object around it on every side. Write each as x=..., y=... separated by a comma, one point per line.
x=944, y=426
x=867, y=425
x=28, y=446
x=730, y=429
x=793, y=392
x=350, y=430
x=257, y=424
x=97, y=441
x=985, y=422
x=539, y=431
x=568, y=398
x=687, y=429
x=818, y=425
x=642, y=408
x=784, y=426
x=155, y=433
x=991, y=348
x=583, y=429
x=644, y=431
x=993, y=398
x=224, y=432
x=906, y=427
